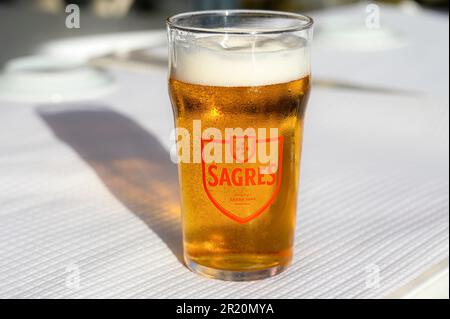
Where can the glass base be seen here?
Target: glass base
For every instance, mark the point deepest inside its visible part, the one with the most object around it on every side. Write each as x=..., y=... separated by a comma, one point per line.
x=234, y=275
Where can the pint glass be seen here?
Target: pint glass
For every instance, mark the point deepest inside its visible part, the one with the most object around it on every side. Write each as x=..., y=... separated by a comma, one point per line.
x=239, y=82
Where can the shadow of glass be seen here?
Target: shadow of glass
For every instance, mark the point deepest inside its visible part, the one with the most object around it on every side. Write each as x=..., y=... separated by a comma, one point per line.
x=130, y=161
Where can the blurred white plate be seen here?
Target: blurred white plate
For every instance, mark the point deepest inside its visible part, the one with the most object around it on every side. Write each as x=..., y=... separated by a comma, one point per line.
x=50, y=79
x=343, y=34
x=86, y=48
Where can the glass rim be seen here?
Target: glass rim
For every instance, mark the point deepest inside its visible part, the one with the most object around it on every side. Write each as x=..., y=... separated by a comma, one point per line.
x=307, y=22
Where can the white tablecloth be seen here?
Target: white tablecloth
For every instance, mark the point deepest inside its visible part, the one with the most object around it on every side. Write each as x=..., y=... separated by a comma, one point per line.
x=89, y=206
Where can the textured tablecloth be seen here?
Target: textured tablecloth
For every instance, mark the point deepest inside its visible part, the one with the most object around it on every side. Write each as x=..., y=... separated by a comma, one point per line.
x=89, y=199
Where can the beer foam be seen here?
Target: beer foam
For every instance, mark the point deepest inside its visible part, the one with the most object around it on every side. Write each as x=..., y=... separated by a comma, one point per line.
x=236, y=60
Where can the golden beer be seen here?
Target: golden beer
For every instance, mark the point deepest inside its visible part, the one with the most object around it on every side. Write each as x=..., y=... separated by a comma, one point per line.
x=210, y=238
x=239, y=191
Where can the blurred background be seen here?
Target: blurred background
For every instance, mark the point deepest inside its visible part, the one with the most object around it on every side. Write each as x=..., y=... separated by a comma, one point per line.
x=26, y=24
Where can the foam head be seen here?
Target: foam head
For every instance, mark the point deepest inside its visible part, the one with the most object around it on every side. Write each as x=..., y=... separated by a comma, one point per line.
x=240, y=60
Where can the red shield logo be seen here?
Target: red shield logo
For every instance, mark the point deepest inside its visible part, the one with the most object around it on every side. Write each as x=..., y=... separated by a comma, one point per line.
x=244, y=189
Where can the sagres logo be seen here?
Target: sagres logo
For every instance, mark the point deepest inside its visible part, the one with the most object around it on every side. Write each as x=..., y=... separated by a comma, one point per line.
x=241, y=169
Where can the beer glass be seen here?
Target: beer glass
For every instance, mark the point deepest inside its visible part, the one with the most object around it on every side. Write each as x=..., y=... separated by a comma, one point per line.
x=239, y=82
